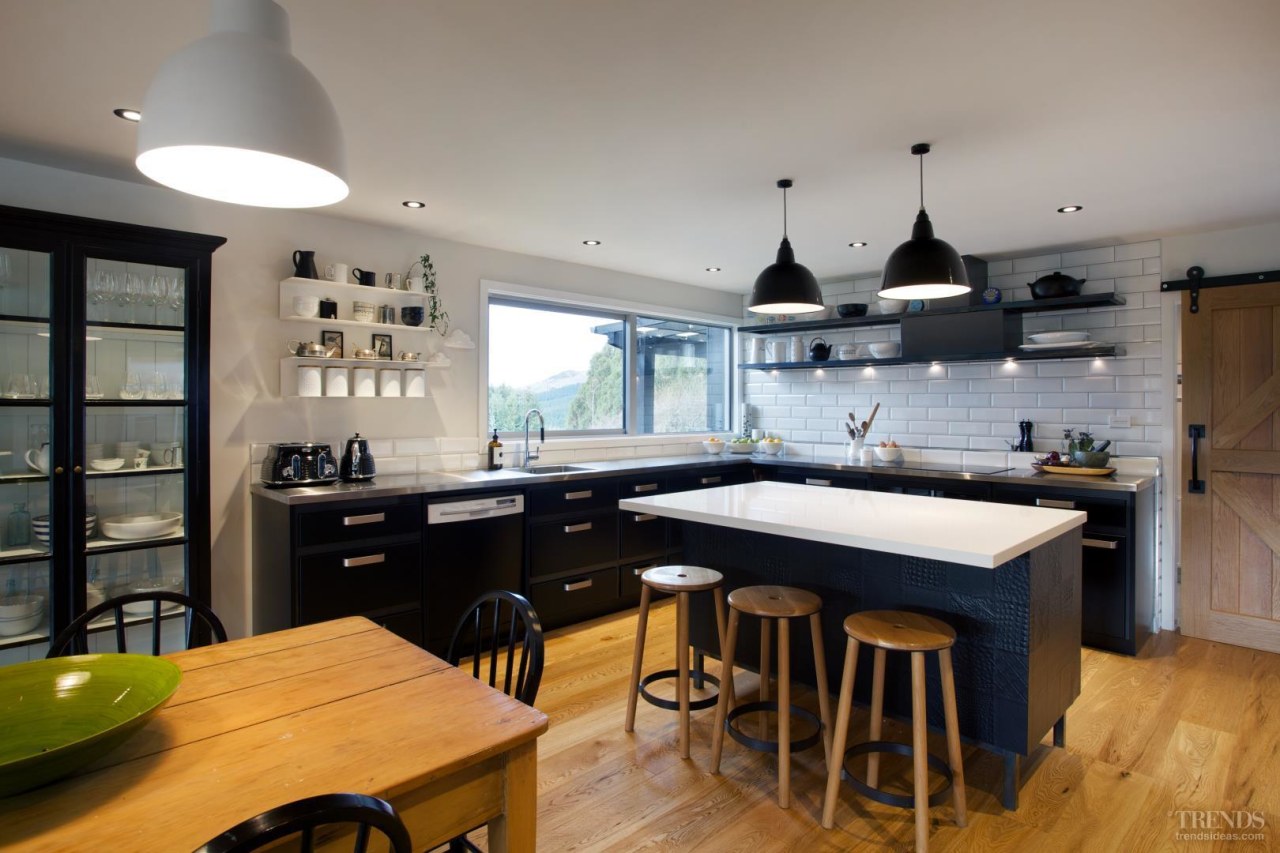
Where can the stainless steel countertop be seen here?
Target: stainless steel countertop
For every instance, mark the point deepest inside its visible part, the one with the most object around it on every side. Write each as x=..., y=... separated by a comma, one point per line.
x=446, y=482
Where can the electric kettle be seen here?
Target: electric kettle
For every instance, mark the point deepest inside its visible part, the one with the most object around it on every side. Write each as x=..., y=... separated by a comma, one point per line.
x=357, y=461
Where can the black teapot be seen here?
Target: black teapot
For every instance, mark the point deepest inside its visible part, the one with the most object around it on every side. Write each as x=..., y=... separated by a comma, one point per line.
x=819, y=350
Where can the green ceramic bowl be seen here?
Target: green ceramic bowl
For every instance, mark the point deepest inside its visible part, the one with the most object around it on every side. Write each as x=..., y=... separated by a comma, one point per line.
x=62, y=713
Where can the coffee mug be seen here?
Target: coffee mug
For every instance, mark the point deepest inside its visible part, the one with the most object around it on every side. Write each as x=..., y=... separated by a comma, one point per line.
x=366, y=277
x=141, y=461
x=412, y=315
x=173, y=455
x=393, y=280
x=336, y=272
x=306, y=306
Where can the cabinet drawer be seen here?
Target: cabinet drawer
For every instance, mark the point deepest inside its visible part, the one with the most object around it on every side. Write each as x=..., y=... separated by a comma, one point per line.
x=370, y=520
x=572, y=543
x=629, y=582
x=640, y=487
x=577, y=496
x=641, y=534
x=709, y=478
x=360, y=580
x=572, y=599
x=817, y=477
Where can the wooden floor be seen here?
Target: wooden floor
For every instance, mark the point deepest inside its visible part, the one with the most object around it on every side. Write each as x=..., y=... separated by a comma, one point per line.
x=1190, y=726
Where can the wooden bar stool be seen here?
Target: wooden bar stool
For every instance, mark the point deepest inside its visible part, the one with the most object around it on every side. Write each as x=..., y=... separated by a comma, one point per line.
x=898, y=631
x=680, y=580
x=780, y=603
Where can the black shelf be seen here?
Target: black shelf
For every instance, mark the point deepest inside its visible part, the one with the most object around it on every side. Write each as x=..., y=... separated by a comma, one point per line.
x=42, y=402
x=1029, y=306
x=119, y=545
x=17, y=559
x=134, y=404
x=137, y=327
x=22, y=318
x=1106, y=351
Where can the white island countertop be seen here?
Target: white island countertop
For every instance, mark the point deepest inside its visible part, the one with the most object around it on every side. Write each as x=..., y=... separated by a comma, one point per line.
x=972, y=533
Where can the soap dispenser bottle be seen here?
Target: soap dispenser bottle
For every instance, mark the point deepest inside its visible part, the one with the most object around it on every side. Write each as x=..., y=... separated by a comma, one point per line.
x=495, y=453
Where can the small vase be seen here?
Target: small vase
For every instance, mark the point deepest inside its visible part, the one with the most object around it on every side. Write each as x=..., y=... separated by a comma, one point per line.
x=853, y=451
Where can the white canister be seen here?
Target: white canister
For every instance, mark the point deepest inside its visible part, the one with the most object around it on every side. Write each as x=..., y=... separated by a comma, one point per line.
x=415, y=383
x=365, y=385
x=797, y=348
x=753, y=351
x=335, y=382
x=778, y=350
x=309, y=380
x=306, y=306
x=336, y=272
x=388, y=382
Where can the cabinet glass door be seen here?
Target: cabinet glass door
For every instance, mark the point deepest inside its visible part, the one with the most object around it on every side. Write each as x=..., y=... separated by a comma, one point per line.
x=135, y=431
x=26, y=534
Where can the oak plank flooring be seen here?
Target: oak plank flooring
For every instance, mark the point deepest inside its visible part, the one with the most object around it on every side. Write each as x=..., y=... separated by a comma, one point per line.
x=1189, y=725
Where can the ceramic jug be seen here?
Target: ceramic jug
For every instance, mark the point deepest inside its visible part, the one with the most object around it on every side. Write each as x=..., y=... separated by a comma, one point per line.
x=304, y=264
x=38, y=460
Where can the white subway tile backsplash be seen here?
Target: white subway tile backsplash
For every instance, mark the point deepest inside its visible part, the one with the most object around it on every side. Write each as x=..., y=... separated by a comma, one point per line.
x=967, y=400
x=999, y=268
x=1104, y=255
x=1151, y=265
x=1062, y=368
x=1021, y=385
x=1115, y=269
x=1037, y=263
x=970, y=428
x=1129, y=251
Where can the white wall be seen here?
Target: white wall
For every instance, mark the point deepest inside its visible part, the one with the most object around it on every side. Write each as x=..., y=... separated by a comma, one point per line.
x=248, y=336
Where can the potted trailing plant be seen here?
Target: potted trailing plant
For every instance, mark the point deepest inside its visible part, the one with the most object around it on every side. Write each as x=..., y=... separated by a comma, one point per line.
x=437, y=317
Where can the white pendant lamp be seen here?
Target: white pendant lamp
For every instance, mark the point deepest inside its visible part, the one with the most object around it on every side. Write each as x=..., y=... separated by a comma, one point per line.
x=924, y=267
x=235, y=117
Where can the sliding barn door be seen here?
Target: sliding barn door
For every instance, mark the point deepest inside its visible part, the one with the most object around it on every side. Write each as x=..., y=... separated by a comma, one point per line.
x=1231, y=529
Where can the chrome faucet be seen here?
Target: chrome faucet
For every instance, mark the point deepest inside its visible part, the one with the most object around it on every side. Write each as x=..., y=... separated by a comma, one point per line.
x=531, y=455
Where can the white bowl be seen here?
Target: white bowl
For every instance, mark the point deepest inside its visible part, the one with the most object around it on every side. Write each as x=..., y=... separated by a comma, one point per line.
x=713, y=447
x=141, y=525
x=174, y=584
x=1058, y=337
x=741, y=447
x=773, y=448
x=106, y=464
x=885, y=349
x=20, y=614
x=891, y=306
x=40, y=526
x=888, y=454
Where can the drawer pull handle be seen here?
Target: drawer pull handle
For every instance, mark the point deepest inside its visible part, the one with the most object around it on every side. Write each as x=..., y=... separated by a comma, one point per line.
x=577, y=496
x=578, y=528
x=639, y=570
x=814, y=481
x=647, y=487
x=1049, y=502
x=371, y=560
x=709, y=481
x=645, y=517
x=1109, y=545
x=371, y=518
x=577, y=585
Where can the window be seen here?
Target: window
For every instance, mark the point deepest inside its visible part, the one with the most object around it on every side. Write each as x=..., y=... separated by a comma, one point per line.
x=595, y=371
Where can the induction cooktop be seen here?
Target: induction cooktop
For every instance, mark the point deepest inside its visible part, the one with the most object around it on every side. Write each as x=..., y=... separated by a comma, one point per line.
x=942, y=466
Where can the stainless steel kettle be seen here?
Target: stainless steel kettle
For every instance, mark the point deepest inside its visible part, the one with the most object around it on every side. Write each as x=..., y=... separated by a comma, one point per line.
x=357, y=462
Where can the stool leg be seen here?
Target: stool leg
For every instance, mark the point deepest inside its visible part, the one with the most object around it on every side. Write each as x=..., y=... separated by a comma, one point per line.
x=633, y=690
x=766, y=648
x=784, y=712
x=877, y=716
x=682, y=668
x=722, y=703
x=841, y=735
x=718, y=595
x=820, y=670
x=920, y=750
x=953, y=737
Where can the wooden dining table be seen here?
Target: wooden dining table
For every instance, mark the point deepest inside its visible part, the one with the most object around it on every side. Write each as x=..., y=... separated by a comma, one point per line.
x=341, y=706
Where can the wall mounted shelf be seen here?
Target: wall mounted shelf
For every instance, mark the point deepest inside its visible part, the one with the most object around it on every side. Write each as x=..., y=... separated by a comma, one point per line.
x=1102, y=351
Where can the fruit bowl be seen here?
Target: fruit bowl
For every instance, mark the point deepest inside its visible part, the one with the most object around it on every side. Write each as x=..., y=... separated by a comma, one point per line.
x=63, y=713
x=773, y=448
x=713, y=447
x=742, y=447
x=889, y=454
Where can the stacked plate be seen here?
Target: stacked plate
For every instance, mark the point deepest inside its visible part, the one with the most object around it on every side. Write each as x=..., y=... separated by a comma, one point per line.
x=20, y=614
x=1058, y=340
x=40, y=526
x=142, y=525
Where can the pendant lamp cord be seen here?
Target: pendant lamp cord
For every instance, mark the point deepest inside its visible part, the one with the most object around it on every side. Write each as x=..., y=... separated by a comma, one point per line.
x=784, y=213
x=921, y=156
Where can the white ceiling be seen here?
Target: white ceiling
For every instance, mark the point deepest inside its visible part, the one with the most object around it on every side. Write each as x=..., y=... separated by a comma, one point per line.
x=660, y=126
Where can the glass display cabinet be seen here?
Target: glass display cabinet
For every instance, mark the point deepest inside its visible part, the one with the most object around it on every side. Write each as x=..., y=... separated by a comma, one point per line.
x=104, y=426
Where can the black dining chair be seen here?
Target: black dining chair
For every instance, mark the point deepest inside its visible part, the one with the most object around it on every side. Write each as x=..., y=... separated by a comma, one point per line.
x=498, y=629
x=501, y=627
x=303, y=817
x=74, y=640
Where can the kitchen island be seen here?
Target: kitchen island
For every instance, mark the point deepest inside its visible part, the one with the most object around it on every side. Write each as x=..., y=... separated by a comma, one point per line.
x=1007, y=578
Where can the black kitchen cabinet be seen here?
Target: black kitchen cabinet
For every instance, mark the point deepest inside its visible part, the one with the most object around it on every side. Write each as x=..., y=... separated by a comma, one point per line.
x=966, y=490
x=573, y=550
x=815, y=477
x=1117, y=564
x=316, y=562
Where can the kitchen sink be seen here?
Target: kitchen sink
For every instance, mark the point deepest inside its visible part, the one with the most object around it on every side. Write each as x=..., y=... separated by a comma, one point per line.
x=553, y=469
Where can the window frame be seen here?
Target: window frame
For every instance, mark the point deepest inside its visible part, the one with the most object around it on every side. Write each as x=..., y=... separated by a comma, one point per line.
x=569, y=302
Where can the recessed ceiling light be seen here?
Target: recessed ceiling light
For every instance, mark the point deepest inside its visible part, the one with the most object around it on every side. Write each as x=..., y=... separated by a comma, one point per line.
x=857, y=244
x=713, y=269
x=591, y=242
x=128, y=114
x=1071, y=208
x=414, y=205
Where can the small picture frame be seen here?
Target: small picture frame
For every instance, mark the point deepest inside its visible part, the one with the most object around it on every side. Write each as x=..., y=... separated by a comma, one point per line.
x=382, y=346
x=332, y=342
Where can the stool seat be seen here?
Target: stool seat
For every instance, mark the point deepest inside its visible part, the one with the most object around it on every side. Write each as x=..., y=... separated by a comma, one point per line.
x=898, y=630
x=775, y=602
x=682, y=578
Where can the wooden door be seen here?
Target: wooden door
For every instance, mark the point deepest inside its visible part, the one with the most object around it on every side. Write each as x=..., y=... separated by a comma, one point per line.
x=1231, y=531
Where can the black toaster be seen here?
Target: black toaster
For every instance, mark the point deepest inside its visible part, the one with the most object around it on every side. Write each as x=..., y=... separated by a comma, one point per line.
x=299, y=463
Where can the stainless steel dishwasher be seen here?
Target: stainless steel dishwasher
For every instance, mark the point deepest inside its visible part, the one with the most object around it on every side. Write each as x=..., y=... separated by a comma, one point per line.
x=473, y=545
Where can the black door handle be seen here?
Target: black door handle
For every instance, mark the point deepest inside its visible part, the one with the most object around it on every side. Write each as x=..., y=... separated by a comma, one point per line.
x=1195, y=485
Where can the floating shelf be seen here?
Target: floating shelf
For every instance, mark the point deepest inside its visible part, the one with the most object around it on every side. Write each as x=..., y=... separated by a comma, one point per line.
x=1104, y=351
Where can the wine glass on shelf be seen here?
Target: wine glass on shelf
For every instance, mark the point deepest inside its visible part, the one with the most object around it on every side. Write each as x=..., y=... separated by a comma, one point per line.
x=6, y=267
x=19, y=387
x=132, y=388
x=177, y=292
x=157, y=289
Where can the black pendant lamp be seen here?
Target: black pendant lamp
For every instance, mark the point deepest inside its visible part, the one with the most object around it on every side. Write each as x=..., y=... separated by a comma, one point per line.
x=924, y=267
x=785, y=287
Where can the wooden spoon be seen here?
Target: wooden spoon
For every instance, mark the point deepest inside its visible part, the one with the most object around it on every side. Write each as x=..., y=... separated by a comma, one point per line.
x=866, y=428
